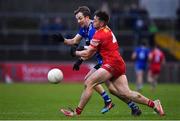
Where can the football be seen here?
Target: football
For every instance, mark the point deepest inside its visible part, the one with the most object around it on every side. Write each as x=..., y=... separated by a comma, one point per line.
x=55, y=75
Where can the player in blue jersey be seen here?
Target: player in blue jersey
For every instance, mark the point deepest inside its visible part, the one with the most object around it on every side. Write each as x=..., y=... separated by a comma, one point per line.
x=140, y=55
x=87, y=31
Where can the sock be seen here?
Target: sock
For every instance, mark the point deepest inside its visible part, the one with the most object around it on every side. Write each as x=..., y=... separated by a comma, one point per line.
x=151, y=104
x=139, y=86
x=78, y=110
x=132, y=105
x=106, y=97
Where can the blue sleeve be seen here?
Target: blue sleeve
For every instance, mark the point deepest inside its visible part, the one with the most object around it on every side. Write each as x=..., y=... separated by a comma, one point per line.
x=81, y=32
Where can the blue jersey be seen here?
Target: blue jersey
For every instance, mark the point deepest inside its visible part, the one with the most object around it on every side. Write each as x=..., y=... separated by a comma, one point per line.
x=141, y=58
x=87, y=33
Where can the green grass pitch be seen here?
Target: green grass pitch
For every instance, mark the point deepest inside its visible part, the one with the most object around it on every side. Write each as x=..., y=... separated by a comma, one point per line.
x=43, y=101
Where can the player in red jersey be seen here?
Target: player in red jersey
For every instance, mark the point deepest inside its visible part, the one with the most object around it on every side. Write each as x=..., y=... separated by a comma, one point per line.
x=113, y=68
x=156, y=58
x=87, y=31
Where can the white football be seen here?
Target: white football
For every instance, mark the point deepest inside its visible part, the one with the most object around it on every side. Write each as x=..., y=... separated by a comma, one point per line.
x=55, y=75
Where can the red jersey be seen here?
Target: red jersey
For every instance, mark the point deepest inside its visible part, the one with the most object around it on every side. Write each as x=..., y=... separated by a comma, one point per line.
x=156, y=61
x=106, y=44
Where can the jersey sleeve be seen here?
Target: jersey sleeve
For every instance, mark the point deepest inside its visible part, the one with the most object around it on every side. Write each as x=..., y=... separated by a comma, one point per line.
x=95, y=40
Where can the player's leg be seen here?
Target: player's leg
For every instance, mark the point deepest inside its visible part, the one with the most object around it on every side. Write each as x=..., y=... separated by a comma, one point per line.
x=152, y=79
x=121, y=84
x=149, y=77
x=91, y=81
x=139, y=79
x=94, y=79
x=154, y=83
x=99, y=88
x=107, y=100
x=134, y=108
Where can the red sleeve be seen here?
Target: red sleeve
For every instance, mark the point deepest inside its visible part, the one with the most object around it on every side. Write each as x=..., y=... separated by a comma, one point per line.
x=96, y=40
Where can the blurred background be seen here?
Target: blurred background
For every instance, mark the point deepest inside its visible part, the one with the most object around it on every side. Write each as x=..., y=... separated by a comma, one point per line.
x=27, y=53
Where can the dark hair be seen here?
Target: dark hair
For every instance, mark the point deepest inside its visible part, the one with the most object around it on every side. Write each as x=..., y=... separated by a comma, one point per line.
x=103, y=16
x=84, y=9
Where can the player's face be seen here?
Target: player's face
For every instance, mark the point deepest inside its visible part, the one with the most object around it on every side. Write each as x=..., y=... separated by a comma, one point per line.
x=81, y=19
x=96, y=22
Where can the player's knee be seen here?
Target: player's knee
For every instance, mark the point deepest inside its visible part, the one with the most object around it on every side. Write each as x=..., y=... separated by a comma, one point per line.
x=88, y=83
x=88, y=86
x=85, y=86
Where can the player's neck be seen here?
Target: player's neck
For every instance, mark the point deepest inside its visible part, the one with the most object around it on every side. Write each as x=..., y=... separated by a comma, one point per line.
x=100, y=28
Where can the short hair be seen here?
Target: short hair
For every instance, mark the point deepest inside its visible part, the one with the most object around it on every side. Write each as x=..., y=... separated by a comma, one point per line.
x=84, y=9
x=103, y=16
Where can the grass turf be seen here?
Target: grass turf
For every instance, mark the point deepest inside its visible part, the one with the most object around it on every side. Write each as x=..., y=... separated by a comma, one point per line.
x=43, y=101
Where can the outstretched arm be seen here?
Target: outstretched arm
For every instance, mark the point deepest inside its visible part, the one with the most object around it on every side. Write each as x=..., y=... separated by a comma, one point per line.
x=75, y=40
x=86, y=54
x=59, y=38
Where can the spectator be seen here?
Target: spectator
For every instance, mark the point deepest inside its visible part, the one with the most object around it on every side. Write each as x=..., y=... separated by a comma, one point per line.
x=44, y=29
x=57, y=25
x=138, y=22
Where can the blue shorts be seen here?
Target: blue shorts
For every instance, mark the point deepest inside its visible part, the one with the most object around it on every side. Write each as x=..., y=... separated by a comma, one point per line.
x=140, y=67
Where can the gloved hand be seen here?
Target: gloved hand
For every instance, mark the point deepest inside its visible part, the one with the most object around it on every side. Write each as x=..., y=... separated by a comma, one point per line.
x=77, y=64
x=73, y=50
x=57, y=37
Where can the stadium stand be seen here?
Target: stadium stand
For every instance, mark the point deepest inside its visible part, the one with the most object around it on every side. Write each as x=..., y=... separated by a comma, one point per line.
x=21, y=21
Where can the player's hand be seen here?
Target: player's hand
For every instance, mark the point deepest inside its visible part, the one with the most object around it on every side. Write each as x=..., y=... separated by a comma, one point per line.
x=57, y=37
x=73, y=50
x=77, y=64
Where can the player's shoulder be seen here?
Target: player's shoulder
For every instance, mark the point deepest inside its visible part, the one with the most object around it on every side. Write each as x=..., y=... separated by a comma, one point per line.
x=104, y=30
x=102, y=33
x=98, y=33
